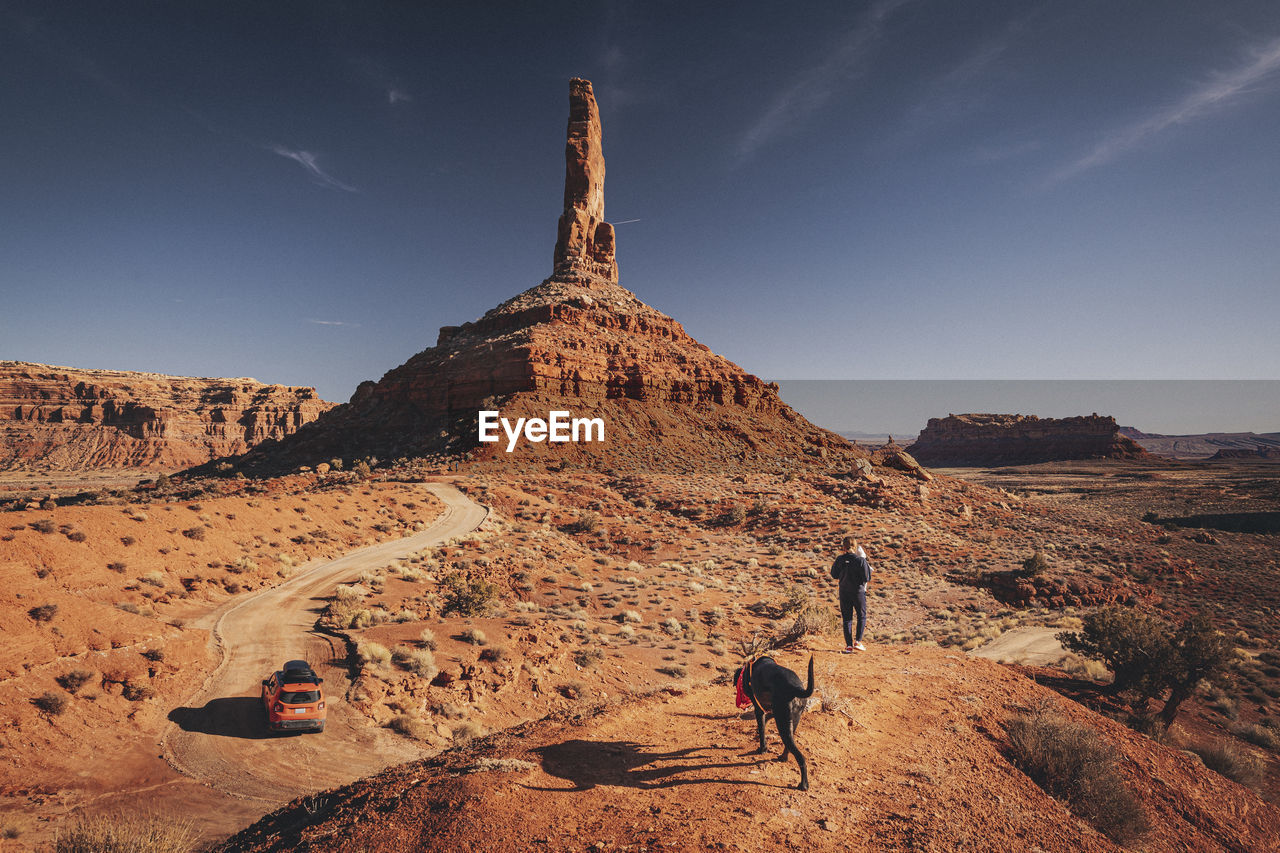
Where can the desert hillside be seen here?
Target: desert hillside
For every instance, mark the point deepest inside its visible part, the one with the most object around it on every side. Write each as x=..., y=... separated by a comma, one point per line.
x=908, y=750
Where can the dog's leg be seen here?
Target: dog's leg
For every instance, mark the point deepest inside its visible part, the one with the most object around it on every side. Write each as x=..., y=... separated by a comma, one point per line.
x=760, y=730
x=785, y=729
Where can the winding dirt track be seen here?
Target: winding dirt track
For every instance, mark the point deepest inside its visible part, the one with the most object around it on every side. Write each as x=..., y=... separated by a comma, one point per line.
x=221, y=738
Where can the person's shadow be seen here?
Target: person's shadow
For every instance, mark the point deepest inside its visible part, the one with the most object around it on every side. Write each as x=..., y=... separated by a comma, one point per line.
x=230, y=716
x=587, y=763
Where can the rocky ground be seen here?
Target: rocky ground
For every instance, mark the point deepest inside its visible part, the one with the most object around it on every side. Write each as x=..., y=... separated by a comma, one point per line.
x=634, y=592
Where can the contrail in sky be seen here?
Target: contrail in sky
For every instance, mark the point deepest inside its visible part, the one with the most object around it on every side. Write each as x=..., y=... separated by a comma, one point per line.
x=308, y=161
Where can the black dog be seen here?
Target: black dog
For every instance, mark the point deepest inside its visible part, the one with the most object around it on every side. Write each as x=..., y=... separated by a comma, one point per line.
x=772, y=688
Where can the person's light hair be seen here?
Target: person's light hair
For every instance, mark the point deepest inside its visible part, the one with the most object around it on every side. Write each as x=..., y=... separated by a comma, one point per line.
x=850, y=544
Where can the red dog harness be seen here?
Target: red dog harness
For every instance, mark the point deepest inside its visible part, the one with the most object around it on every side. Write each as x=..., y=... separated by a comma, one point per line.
x=743, y=700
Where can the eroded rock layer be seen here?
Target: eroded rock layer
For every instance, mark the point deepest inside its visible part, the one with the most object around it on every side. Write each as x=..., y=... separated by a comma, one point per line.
x=986, y=439
x=64, y=418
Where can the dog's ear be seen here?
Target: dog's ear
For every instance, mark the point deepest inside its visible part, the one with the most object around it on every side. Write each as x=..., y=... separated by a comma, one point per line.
x=737, y=673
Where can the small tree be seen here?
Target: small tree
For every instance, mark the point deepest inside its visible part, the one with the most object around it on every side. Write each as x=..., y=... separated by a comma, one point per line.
x=1149, y=658
x=467, y=597
x=1200, y=653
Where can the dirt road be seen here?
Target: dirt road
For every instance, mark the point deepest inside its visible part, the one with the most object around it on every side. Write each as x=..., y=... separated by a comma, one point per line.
x=220, y=737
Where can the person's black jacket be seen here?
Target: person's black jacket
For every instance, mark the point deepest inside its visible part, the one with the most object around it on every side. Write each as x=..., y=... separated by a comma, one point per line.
x=851, y=570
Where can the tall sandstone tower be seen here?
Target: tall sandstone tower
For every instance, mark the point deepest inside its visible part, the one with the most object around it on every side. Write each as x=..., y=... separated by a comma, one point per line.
x=585, y=241
x=578, y=342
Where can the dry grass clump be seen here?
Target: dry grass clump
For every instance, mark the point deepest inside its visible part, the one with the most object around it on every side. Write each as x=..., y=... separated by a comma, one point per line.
x=1262, y=736
x=499, y=765
x=674, y=670
x=428, y=639
x=493, y=654
x=373, y=654
x=475, y=637
x=1227, y=759
x=123, y=832
x=409, y=726
x=418, y=661
x=467, y=731
x=1072, y=763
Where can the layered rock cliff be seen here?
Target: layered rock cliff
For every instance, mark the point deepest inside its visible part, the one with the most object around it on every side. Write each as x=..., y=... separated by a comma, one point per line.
x=577, y=342
x=985, y=439
x=64, y=418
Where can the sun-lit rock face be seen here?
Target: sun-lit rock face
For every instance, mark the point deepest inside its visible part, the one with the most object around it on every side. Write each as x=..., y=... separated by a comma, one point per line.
x=585, y=243
x=64, y=418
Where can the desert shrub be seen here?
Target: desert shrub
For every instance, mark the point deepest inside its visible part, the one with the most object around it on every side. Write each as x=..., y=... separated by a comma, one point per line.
x=409, y=726
x=1073, y=764
x=117, y=567
x=1035, y=565
x=588, y=522
x=493, y=654
x=153, y=579
x=51, y=702
x=588, y=658
x=77, y=536
x=74, y=680
x=630, y=616
x=674, y=670
x=128, y=607
x=731, y=517
x=427, y=638
x=1227, y=759
x=467, y=597
x=156, y=655
x=127, y=540
x=44, y=525
x=43, y=613
x=499, y=765
x=137, y=692
x=475, y=637
x=128, y=833
x=196, y=533
x=450, y=711
x=370, y=653
x=672, y=626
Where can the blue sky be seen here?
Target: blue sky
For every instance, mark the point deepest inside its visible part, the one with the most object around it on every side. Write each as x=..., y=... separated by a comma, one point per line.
x=304, y=193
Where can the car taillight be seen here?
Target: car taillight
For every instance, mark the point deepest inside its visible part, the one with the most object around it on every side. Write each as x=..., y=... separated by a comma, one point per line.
x=279, y=708
x=320, y=707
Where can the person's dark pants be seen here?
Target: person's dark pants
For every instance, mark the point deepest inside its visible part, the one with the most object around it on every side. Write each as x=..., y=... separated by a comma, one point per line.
x=853, y=600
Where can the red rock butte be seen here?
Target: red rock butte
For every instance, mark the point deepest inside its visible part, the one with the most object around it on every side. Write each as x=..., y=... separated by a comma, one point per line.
x=578, y=342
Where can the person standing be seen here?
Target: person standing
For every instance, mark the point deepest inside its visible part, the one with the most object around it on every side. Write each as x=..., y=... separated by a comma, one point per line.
x=853, y=570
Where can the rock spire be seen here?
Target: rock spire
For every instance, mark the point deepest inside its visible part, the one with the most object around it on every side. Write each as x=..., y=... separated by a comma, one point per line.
x=584, y=243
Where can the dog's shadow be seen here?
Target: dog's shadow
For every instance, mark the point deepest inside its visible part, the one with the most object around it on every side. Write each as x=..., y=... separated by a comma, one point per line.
x=588, y=763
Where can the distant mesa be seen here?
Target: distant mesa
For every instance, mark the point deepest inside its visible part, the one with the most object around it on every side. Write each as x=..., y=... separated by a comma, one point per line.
x=577, y=342
x=70, y=419
x=992, y=440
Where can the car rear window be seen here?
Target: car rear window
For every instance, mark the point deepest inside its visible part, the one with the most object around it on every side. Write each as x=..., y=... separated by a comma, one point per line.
x=300, y=698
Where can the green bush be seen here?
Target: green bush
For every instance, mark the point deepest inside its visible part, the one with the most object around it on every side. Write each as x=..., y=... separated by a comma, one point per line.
x=1071, y=763
x=1149, y=658
x=467, y=597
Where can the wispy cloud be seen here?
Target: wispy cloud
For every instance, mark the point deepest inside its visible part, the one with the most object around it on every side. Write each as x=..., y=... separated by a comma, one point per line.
x=816, y=85
x=308, y=161
x=330, y=322
x=1262, y=61
x=396, y=95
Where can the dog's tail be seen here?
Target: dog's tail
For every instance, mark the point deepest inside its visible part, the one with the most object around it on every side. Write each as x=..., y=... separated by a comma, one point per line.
x=809, y=692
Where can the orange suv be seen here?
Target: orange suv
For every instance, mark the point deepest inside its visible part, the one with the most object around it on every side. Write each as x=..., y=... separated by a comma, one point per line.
x=293, y=698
